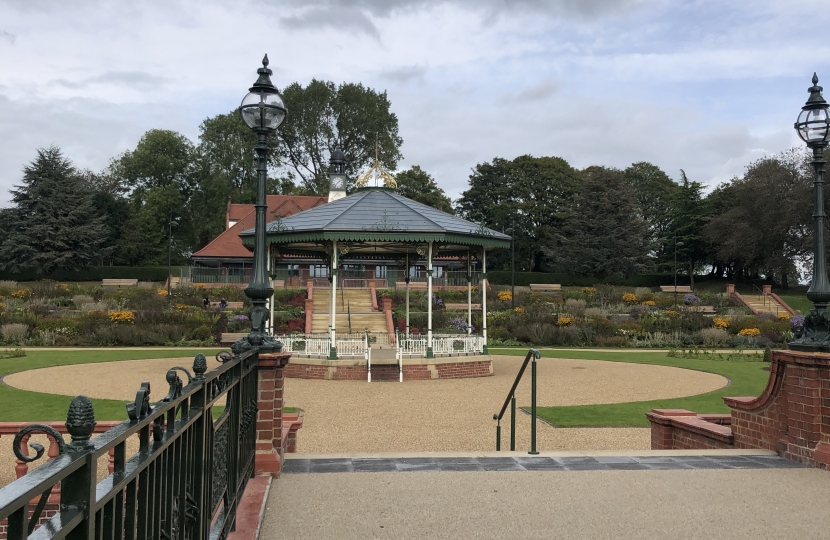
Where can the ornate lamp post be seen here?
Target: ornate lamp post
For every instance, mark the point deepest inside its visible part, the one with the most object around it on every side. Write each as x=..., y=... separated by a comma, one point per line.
x=263, y=111
x=813, y=126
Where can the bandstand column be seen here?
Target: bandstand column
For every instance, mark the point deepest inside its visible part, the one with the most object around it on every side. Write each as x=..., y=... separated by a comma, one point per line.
x=483, y=284
x=429, y=302
x=469, y=295
x=333, y=303
x=406, y=279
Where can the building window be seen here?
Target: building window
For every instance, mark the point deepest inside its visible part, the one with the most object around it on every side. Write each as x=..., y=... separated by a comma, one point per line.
x=318, y=270
x=380, y=272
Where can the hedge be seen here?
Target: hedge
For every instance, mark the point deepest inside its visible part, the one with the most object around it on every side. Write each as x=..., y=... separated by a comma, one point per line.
x=97, y=273
x=523, y=279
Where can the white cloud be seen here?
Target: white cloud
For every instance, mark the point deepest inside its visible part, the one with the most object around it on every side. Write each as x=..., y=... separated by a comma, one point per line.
x=705, y=86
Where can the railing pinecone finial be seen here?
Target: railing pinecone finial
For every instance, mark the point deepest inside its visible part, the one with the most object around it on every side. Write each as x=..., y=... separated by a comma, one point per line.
x=80, y=421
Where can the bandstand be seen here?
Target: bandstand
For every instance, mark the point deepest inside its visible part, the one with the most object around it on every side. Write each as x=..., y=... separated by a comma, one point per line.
x=375, y=223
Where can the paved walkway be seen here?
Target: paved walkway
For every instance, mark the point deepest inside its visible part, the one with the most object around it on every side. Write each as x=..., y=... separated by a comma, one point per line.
x=574, y=498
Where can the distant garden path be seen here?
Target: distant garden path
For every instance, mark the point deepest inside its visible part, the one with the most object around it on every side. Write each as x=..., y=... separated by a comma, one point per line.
x=446, y=415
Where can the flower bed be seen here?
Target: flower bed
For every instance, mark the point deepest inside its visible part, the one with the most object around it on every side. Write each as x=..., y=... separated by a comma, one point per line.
x=47, y=313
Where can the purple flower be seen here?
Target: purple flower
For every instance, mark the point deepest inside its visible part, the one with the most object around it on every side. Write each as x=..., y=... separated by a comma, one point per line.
x=690, y=299
x=240, y=317
x=461, y=325
x=797, y=320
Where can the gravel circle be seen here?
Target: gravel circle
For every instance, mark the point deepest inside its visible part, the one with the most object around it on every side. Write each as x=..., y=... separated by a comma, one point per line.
x=441, y=415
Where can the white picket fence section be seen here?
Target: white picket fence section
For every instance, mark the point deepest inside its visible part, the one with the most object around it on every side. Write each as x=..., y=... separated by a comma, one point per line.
x=461, y=344
x=412, y=346
x=351, y=347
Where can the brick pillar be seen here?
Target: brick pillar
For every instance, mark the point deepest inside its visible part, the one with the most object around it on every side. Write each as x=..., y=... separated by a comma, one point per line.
x=730, y=288
x=269, y=415
x=767, y=289
x=387, y=311
x=309, y=314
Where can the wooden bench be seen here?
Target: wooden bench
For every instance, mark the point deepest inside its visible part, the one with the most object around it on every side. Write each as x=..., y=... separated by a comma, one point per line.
x=119, y=283
x=462, y=307
x=413, y=285
x=231, y=305
x=546, y=287
x=706, y=310
x=680, y=288
x=232, y=337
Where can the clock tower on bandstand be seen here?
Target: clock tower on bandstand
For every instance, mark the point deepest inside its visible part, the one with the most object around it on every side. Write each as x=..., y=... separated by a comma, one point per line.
x=337, y=175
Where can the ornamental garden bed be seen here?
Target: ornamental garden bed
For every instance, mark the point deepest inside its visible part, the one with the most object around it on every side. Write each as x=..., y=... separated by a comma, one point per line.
x=48, y=313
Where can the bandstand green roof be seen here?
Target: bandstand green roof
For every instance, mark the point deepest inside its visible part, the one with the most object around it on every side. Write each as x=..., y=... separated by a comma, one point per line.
x=377, y=221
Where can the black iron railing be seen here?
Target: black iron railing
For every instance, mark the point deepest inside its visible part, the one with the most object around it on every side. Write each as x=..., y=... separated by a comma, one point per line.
x=532, y=354
x=185, y=481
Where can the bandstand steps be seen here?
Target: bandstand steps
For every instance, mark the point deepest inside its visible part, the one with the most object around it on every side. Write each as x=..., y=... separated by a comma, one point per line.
x=358, y=300
x=374, y=322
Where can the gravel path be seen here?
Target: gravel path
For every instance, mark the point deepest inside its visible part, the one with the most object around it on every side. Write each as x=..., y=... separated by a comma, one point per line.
x=445, y=415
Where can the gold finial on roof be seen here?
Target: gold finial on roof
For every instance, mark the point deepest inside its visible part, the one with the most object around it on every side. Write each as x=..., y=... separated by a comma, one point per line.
x=376, y=171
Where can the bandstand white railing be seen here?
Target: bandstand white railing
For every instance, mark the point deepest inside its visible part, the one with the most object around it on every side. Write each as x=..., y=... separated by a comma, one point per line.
x=351, y=347
x=461, y=344
x=302, y=345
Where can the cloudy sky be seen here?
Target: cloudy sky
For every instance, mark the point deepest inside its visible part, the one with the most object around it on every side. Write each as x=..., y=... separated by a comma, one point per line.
x=706, y=86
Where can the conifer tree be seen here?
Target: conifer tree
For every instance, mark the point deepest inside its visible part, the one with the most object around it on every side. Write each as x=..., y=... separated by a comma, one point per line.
x=52, y=223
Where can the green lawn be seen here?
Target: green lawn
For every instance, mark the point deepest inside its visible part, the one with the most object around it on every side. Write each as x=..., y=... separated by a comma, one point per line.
x=797, y=302
x=748, y=379
x=24, y=406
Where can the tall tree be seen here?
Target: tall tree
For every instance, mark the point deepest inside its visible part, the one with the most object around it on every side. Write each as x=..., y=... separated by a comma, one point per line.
x=163, y=174
x=766, y=225
x=52, y=223
x=532, y=195
x=604, y=234
x=321, y=116
x=416, y=184
x=688, y=217
x=653, y=191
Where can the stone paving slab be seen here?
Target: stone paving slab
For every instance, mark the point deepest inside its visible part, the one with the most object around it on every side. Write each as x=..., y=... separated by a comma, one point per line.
x=527, y=463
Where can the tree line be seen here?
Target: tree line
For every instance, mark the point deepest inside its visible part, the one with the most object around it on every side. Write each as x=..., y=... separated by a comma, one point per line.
x=598, y=221
x=602, y=221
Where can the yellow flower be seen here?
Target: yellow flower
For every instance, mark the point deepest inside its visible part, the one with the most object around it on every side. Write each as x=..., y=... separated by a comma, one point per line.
x=519, y=310
x=162, y=292
x=629, y=298
x=122, y=317
x=21, y=294
x=2, y=306
x=649, y=303
x=505, y=296
x=182, y=307
x=588, y=291
x=721, y=322
x=564, y=321
x=784, y=316
x=670, y=313
x=751, y=332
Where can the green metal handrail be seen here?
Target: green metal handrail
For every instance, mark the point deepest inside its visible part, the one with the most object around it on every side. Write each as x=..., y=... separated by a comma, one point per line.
x=511, y=400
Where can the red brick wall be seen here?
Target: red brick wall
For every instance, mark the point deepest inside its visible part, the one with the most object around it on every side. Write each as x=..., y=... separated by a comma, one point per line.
x=679, y=429
x=792, y=415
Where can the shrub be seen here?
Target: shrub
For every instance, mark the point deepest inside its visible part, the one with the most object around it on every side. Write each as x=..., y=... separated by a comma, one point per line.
x=575, y=307
x=21, y=294
x=797, y=321
x=80, y=299
x=612, y=341
x=713, y=337
x=629, y=298
x=14, y=333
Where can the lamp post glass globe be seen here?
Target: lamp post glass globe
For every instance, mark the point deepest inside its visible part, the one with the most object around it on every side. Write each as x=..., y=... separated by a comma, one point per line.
x=262, y=109
x=813, y=125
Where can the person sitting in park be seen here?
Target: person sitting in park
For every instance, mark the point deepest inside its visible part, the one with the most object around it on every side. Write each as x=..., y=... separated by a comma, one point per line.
x=223, y=303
